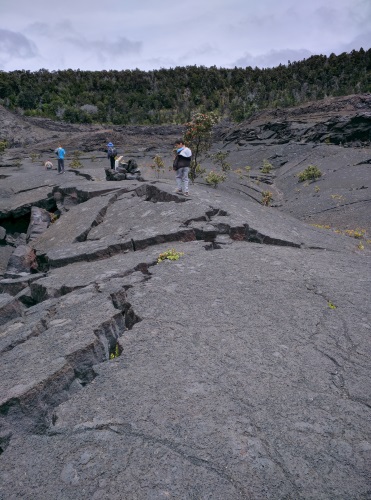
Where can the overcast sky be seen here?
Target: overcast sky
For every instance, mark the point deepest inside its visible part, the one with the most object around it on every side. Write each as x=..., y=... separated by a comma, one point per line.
x=152, y=34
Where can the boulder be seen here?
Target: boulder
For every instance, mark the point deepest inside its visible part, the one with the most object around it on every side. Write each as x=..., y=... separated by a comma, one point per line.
x=40, y=221
x=21, y=262
x=10, y=308
x=112, y=175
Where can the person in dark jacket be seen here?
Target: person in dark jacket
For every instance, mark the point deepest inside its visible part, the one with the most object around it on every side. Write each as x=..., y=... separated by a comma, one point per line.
x=111, y=154
x=181, y=165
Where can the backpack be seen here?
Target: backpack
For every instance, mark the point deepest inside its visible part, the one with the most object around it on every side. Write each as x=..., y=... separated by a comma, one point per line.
x=112, y=152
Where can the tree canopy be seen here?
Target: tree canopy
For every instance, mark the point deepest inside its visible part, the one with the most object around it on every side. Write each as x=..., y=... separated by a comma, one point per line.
x=174, y=95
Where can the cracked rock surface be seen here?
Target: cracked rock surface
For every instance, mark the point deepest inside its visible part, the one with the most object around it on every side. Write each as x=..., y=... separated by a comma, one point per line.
x=243, y=371
x=240, y=370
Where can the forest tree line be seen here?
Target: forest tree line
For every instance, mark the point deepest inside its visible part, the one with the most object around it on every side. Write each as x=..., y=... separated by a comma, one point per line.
x=173, y=95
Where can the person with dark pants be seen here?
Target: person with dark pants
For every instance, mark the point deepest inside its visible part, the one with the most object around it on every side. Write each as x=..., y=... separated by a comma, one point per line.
x=111, y=153
x=60, y=154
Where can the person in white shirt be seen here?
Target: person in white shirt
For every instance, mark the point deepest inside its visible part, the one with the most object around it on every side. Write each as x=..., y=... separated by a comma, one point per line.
x=181, y=165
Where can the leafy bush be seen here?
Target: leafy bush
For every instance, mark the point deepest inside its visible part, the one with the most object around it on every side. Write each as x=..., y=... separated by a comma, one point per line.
x=198, y=136
x=213, y=178
x=311, y=173
x=267, y=167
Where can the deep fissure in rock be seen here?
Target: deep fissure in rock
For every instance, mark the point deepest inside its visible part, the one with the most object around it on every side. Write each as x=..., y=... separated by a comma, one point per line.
x=33, y=412
x=14, y=225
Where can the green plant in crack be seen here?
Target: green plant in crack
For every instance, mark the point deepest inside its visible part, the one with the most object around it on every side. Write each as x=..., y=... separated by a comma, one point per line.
x=170, y=254
x=115, y=353
x=331, y=305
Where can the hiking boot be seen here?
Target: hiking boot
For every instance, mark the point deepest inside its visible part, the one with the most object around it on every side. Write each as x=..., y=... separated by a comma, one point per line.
x=179, y=191
x=186, y=193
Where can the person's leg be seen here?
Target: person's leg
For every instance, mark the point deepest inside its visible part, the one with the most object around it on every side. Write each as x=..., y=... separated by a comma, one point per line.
x=112, y=160
x=179, y=175
x=185, y=179
x=59, y=165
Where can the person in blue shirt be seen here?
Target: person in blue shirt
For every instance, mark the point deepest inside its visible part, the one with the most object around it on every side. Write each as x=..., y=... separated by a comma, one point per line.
x=60, y=153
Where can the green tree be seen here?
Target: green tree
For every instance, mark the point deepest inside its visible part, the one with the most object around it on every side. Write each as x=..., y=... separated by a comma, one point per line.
x=198, y=136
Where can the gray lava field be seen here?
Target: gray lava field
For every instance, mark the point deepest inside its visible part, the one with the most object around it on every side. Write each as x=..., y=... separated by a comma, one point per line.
x=242, y=369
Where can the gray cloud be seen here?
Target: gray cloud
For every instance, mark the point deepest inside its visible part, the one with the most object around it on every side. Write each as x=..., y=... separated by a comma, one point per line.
x=55, y=30
x=91, y=34
x=115, y=48
x=15, y=45
x=272, y=58
x=203, y=50
x=363, y=40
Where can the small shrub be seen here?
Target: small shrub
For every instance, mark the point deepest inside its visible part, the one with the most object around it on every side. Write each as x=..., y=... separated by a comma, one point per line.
x=356, y=233
x=93, y=158
x=311, y=173
x=331, y=305
x=115, y=353
x=53, y=217
x=321, y=226
x=34, y=157
x=317, y=189
x=239, y=172
x=200, y=172
x=220, y=158
x=3, y=146
x=171, y=254
x=18, y=163
x=76, y=163
x=158, y=165
x=213, y=178
x=267, y=167
x=267, y=198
